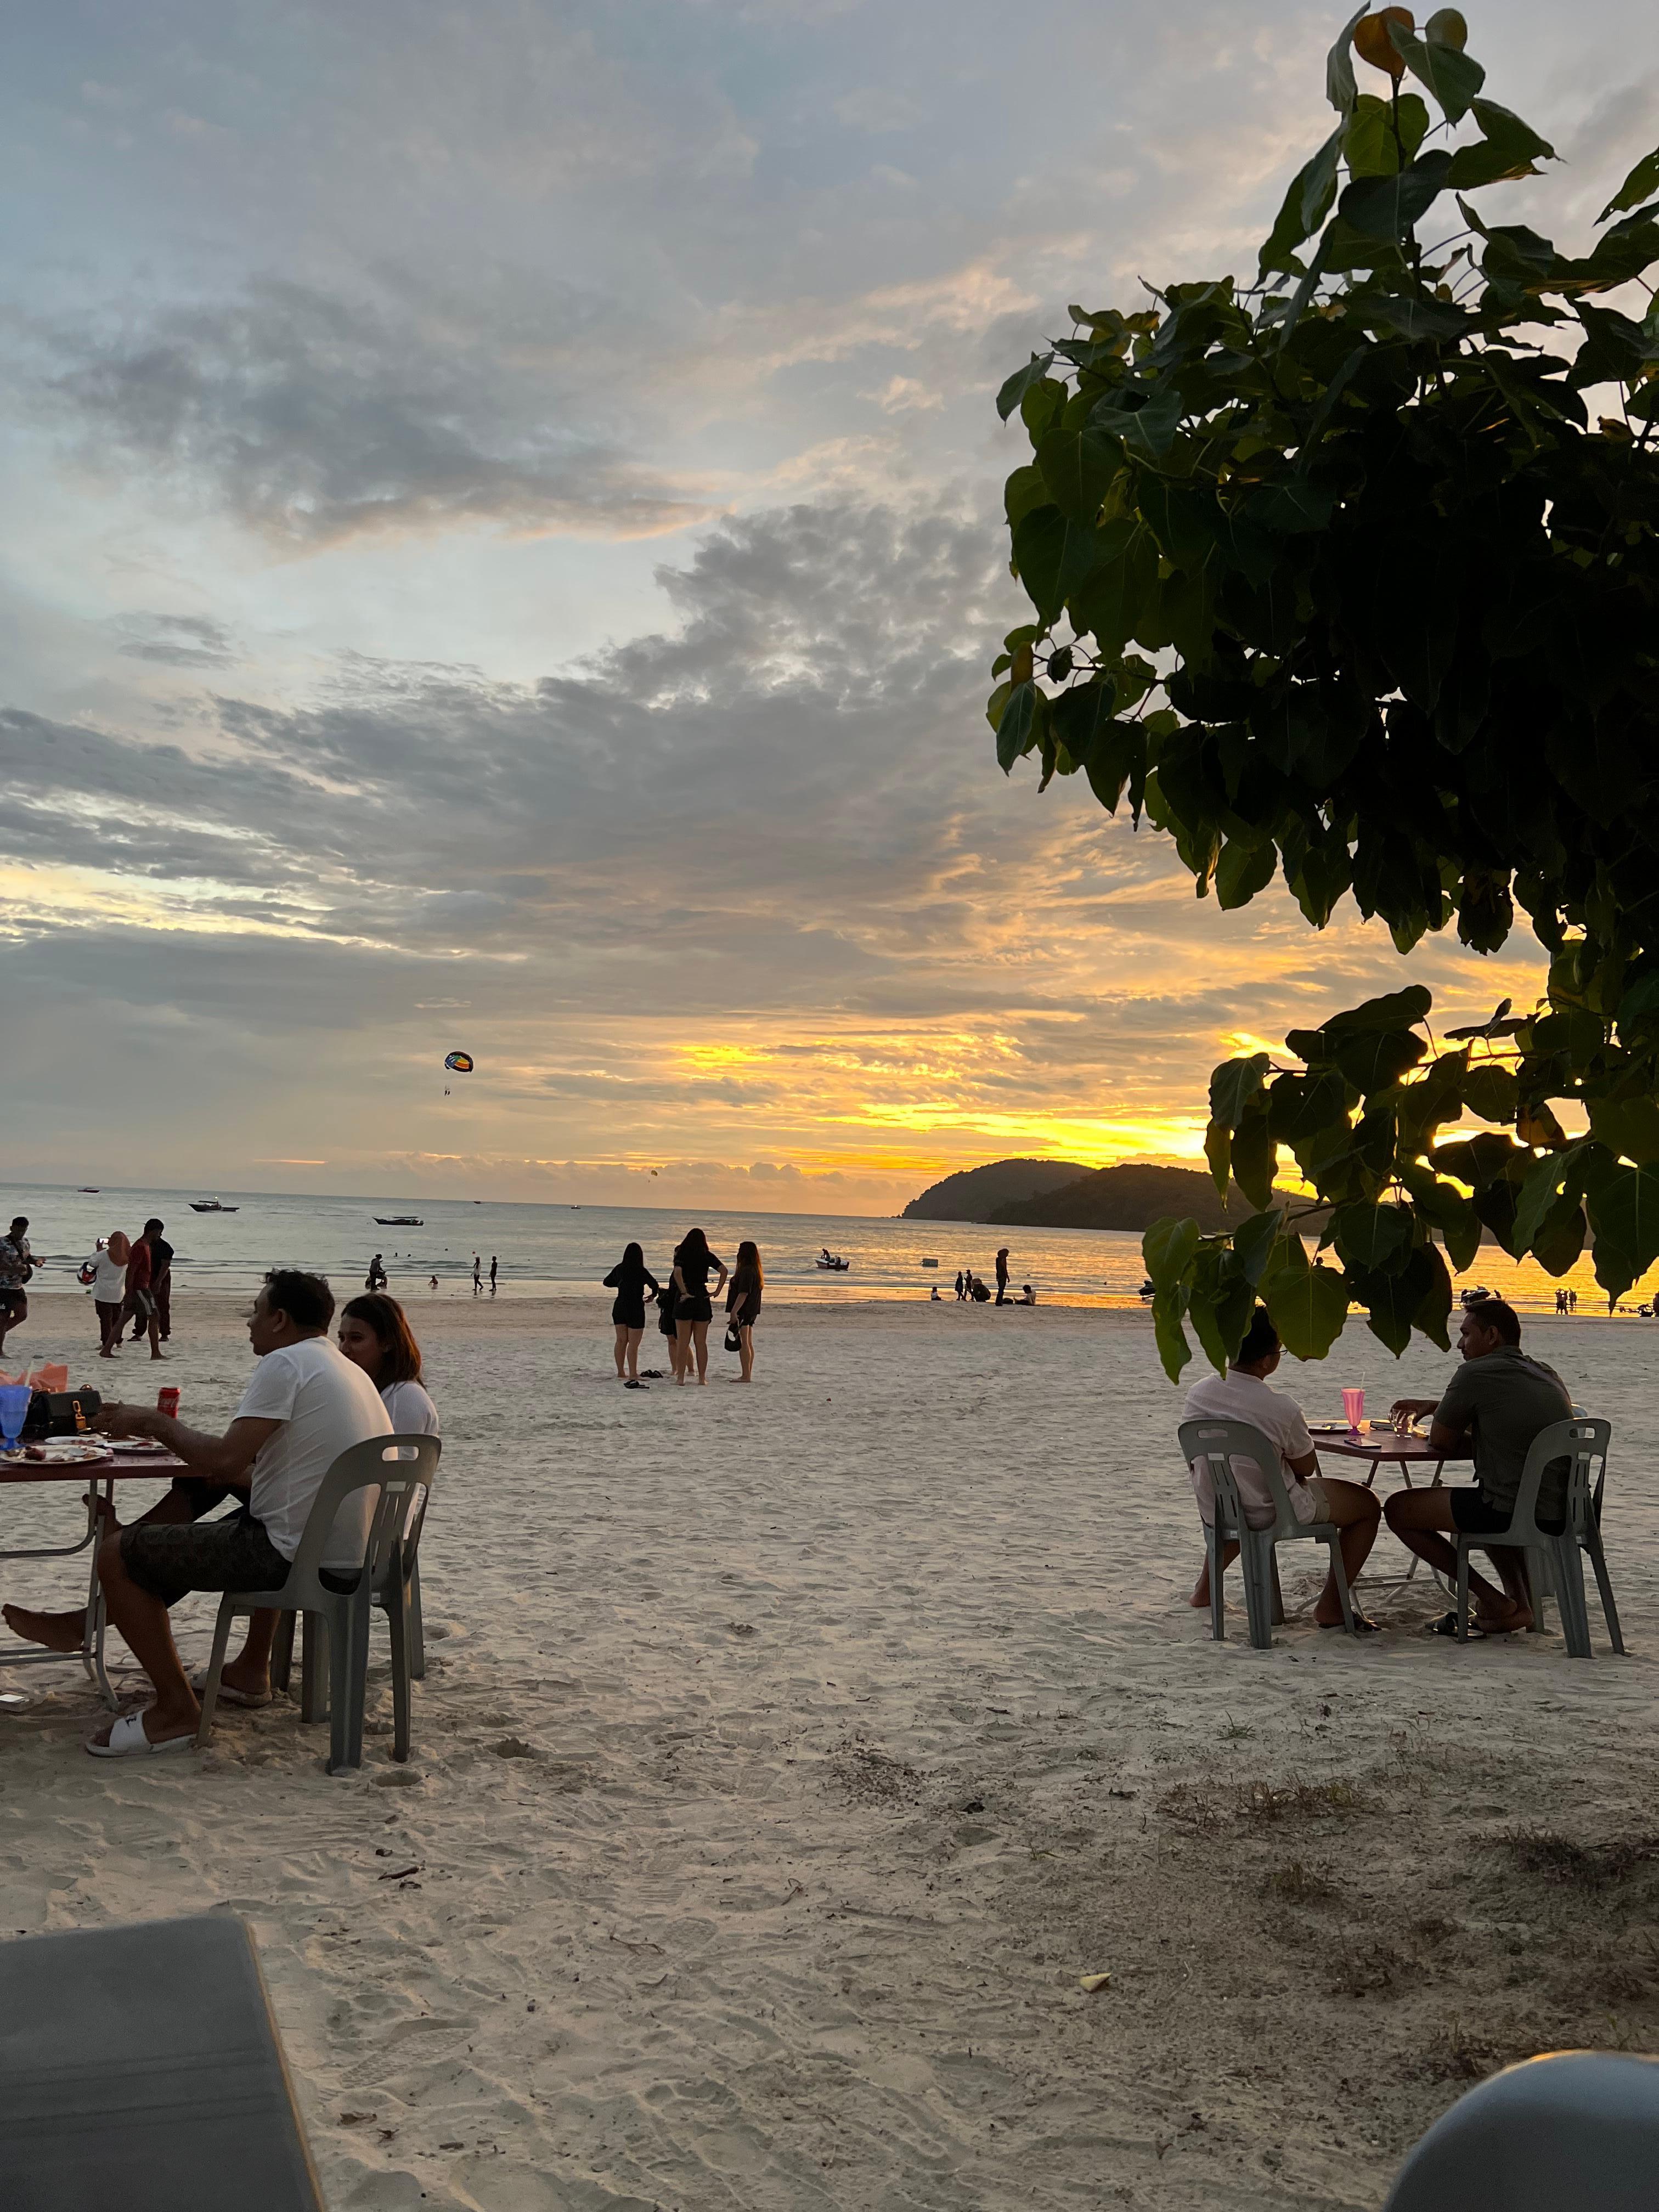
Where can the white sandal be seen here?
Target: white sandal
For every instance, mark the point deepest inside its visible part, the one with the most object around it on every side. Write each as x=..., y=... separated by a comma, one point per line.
x=127, y=1739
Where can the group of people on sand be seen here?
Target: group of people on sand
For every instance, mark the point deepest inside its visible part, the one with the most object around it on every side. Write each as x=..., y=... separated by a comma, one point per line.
x=131, y=1279
x=685, y=1307
x=306, y=1402
x=1493, y=1406
x=972, y=1288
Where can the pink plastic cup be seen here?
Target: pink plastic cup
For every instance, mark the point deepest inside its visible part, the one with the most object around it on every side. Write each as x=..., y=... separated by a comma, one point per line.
x=1353, y=1404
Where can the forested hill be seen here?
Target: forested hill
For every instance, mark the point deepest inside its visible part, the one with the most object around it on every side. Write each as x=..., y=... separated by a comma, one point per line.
x=971, y=1195
x=1058, y=1194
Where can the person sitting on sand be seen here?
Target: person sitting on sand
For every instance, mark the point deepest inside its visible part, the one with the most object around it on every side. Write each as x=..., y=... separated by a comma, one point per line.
x=933, y=1297
x=304, y=1405
x=1242, y=1395
x=628, y=1278
x=1027, y=1296
x=1496, y=1403
x=979, y=1292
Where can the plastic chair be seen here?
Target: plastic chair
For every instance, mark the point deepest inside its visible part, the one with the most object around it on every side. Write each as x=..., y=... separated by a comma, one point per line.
x=1581, y=1442
x=1575, y=2128
x=140, y=2068
x=1219, y=1443
x=401, y=1470
x=313, y=1651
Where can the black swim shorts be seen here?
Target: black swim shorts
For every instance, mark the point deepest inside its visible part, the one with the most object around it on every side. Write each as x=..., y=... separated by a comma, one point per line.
x=169, y=1558
x=1474, y=1516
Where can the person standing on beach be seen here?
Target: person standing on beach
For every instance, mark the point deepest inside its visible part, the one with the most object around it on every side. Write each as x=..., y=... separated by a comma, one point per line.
x=628, y=1278
x=692, y=1263
x=16, y=1266
x=742, y=1306
x=106, y=1268
x=478, y=1275
x=1002, y=1276
x=140, y=1306
x=160, y=1276
x=961, y=1287
x=492, y=1278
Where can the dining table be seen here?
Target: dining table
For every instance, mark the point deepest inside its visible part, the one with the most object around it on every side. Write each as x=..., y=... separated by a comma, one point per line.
x=1382, y=1446
x=98, y=1478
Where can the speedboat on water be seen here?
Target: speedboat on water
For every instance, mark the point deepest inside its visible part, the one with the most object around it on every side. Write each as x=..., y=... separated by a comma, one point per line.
x=398, y=1220
x=211, y=1206
x=831, y=1265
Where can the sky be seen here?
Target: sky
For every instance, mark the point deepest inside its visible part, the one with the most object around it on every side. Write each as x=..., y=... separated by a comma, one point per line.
x=501, y=548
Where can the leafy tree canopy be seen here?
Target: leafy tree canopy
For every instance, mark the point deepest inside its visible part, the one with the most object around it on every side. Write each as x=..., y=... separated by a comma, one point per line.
x=1351, y=574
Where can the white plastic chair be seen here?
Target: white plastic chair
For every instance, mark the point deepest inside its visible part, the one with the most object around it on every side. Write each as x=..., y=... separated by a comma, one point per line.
x=1583, y=1443
x=401, y=1470
x=1218, y=1443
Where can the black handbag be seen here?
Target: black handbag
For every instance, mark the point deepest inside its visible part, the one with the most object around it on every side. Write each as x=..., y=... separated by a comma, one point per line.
x=733, y=1341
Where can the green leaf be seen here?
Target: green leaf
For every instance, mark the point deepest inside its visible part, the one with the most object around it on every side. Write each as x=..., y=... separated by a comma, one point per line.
x=1219, y=1151
x=1372, y=1238
x=1392, y=1301
x=1386, y=207
x=1148, y=430
x=1255, y=1157
x=1623, y=1214
x=1245, y=868
x=1016, y=730
x=1053, y=556
x=1306, y=205
x=1453, y=78
x=1308, y=1306
x=1508, y=147
x=1254, y=1243
x=1433, y=1311
x=1173, y=1350
x=1446, y=1210
x=1628, y=1127
x=1167, y=1249
x=1492, y=1093
x=1220, y=1305
x=1077, y=466
x=1339, y=87
x=1559, y=1238
x=1021, y=382
x=1367, y=144
x=1641, y=183
x=1540, y=1191
x=1235, y=1086
x=1371, y=1059
x=1395, y=1010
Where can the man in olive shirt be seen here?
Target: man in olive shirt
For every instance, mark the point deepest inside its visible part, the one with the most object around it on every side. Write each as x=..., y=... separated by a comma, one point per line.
x=1497, y=1402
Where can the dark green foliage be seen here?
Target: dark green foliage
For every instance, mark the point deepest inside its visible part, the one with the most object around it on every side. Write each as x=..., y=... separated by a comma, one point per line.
x=1355, y=573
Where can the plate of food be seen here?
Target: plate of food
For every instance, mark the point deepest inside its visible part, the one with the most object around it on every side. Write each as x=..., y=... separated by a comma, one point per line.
x=128, y=1444
x=68, y=1451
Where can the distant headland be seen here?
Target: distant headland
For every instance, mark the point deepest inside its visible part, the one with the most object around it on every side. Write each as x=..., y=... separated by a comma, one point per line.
x=1066, y=1195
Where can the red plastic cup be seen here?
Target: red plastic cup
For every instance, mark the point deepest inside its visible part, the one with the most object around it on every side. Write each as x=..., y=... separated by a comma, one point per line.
x=167, y=1401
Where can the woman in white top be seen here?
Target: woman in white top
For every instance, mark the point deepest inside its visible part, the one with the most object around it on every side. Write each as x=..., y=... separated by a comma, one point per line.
x=375, y=1335
x=106, y=1271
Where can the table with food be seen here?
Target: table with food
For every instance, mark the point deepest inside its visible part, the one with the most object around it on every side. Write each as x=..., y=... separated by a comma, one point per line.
x=46, y=1436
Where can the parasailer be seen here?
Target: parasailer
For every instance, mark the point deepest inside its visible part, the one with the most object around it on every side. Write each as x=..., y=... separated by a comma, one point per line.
x=460, y=1062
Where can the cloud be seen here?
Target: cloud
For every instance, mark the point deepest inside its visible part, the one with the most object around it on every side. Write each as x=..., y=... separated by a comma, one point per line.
x=179, y=640
x=312, y=417
x=879, y=107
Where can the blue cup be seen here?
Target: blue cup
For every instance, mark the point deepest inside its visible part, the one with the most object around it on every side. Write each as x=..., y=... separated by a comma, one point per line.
x=13, y=1412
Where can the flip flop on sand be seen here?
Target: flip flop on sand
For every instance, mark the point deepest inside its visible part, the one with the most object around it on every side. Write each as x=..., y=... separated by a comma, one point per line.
x=228, y=1694
x=127, y=1739
x=1446, y=1625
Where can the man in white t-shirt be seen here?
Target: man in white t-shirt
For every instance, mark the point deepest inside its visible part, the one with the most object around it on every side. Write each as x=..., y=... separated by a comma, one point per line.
x=304, y=1404
x=1242, y=1395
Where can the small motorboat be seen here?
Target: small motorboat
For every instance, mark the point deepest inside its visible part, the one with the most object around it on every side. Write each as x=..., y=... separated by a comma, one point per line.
x=930, y=1263
x=1473, y=1296
x=399, y=1221
x=90, y=1189
x=832, y=1265
x=211, y=1206
x=1148, y=1289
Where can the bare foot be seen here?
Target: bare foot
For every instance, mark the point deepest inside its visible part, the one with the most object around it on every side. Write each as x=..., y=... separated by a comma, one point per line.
x=55, y=1631
x=1511, y=1623
x=247, y=1681
x=158, y=1355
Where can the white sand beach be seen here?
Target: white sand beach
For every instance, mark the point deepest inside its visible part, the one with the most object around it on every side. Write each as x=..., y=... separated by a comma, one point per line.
x=787, y=1755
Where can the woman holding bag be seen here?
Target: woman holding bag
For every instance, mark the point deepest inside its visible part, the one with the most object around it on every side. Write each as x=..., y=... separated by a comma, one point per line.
x=742, y=1306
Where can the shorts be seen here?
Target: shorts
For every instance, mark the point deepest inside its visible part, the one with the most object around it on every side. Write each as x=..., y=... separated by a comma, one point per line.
x=628, y=1316
x=696, y=1306
x=169, y=1558
x=14, y=1304
x=1475, y=1517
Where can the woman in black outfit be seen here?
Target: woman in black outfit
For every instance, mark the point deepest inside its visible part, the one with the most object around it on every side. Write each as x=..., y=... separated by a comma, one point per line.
x=692, y=1263
x=743, y=1303
x=627, y=1279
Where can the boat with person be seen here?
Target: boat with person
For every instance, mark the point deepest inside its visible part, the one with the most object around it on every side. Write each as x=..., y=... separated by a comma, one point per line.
x=831, y=1262
x=211, y=1206
x=400, y=1221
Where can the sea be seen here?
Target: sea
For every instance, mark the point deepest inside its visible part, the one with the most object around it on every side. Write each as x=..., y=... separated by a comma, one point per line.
x=565, y=1251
